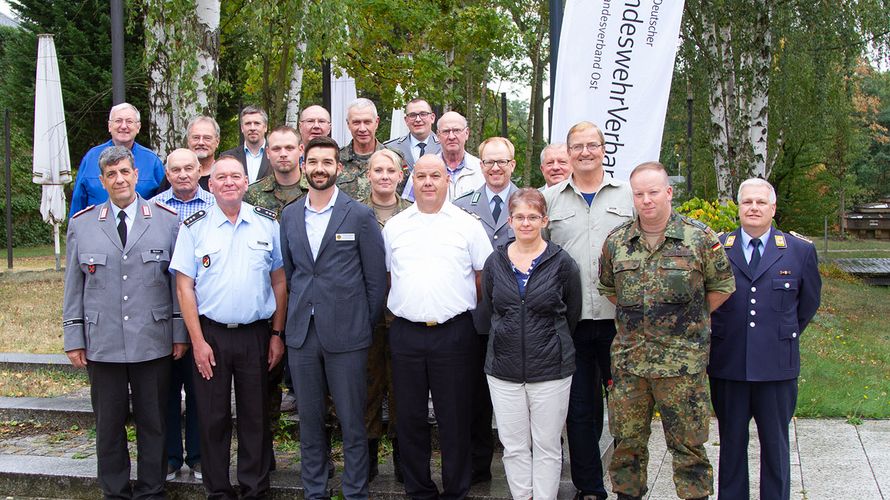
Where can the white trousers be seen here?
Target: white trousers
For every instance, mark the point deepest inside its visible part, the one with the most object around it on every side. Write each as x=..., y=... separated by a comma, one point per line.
x=530, y=418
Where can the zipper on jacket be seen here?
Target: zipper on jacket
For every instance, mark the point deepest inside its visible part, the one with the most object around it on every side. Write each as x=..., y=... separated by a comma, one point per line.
x=522, y=330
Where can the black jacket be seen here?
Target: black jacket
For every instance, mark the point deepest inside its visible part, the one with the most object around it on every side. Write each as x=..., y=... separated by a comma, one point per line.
x=531, y=338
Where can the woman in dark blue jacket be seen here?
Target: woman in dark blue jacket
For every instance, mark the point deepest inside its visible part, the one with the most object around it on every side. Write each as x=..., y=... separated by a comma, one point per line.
x=532, y=290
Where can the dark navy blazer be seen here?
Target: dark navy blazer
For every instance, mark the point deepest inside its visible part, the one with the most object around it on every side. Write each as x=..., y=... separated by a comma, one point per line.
x=755, y=334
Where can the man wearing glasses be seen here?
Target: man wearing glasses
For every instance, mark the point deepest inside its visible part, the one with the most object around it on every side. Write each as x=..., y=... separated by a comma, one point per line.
x=315, y=121
x=123, y=125
x=583, y=209
x=419, y=118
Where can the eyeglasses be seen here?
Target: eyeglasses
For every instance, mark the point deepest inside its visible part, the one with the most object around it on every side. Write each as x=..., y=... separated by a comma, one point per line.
x=315, y=121
x=448, y=131
x=414, y=116
x=591, y=146
x=531, y=218
x=491, y=163
x=121, y=121
x=204, y=138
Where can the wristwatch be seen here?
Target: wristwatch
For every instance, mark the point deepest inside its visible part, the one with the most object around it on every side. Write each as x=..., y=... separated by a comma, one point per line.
x=278, y=333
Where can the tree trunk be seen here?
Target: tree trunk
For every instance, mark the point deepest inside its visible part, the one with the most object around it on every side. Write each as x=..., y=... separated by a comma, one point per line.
x=292, y=111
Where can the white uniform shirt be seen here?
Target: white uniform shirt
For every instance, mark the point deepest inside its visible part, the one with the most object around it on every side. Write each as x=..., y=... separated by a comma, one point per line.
x=432, y=260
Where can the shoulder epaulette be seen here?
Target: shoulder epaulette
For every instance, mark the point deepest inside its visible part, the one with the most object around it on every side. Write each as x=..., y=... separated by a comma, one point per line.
x=166, y=207
x=800, y=237
x=721, y=233
x=623, y=225
x=699, y=224
x=265, y=212
x=195, y=217
x=475, y=215
x=468, y=193
x=85, y=210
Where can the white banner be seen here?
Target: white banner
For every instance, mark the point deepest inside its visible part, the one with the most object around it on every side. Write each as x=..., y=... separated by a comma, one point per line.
x=616, y=60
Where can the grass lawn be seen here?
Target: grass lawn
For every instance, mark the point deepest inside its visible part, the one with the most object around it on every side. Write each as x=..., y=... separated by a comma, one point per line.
x=31, y=312
x=41, y=383
x=845, y=365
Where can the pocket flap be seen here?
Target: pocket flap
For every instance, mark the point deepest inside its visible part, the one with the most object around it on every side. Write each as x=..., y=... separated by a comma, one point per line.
x=260, y=245
x=558, y=216
x=626, y=265
x=93, y=259
x=788, y=331
x=161, y=313
x=91, y=317
x=156, y=256
x=784, y=284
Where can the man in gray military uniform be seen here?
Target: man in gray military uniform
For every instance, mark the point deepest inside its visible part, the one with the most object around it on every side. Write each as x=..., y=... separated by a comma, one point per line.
x=121, y=321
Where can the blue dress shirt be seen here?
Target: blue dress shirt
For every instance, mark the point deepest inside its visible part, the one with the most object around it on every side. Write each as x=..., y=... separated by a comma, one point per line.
x=88, y=189
x=746, y=243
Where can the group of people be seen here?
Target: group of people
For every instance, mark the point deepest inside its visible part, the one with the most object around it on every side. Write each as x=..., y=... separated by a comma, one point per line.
x=412, y=270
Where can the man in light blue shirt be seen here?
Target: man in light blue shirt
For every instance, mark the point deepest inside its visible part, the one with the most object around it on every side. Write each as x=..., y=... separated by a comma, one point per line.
x=231, y=279
x=123, y=125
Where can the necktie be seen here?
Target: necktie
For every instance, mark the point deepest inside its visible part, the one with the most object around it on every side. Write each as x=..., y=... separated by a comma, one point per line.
x=496, y=213
x=122, y=227
x=422, y=146
x=755, y=254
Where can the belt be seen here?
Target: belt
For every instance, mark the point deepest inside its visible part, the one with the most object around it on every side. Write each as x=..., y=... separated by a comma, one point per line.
x=232, y=326
x=439, y=323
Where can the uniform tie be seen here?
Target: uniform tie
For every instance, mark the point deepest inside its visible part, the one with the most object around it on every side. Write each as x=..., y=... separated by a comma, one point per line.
x=755, y=255
x=422, y=146
x=122, y=227
x=496, y=213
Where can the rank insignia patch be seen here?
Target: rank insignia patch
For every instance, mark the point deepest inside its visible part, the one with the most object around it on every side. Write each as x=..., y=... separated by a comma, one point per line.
x=91, y=269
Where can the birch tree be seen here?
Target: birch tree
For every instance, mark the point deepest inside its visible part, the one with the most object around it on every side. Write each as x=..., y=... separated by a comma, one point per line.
x=182, y=51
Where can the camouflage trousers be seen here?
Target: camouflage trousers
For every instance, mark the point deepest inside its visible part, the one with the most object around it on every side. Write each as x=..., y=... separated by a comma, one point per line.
x=380, y=382
x=685, y=414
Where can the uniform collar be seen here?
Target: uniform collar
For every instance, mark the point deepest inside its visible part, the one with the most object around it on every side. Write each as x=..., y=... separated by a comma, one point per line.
x=130, y=210
x=746, y=238
x=218, y=218
x=673, y=230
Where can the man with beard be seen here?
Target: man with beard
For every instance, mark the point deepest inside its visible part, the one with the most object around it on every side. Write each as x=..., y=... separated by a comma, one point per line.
x=334, y=261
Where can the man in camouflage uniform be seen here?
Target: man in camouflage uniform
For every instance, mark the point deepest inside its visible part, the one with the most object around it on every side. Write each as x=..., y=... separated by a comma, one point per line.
x=274, y=192
x=384, y=175
x=665, y=273
x=362, y=121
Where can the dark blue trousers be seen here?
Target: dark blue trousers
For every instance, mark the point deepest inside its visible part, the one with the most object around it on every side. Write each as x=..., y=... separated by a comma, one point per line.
x=181, y=377
x=771, y=404
x=584, y=423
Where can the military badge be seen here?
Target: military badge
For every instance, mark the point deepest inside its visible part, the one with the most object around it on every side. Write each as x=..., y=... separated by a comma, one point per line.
x=103, y=213
x=91, y=268
x=146, y=211
x=730, y=241
x=784, y=273
x=715, y=246
x=780, y=241
x=205, y=261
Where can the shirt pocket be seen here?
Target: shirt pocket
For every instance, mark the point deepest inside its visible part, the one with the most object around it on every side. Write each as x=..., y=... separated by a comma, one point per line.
x=260, y=254
x=675, y=283
x=154, y=267
x=628, y=285
x=207, y=260
x=93, y=266
x=784, y=294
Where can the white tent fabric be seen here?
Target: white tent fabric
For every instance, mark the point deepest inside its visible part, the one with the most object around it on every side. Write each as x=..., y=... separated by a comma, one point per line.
x=52, y=164
x=398, y=127
x=342, y=93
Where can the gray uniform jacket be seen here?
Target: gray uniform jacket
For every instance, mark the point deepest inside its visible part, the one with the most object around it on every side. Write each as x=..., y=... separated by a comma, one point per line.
x=403, y=146
x=120, y=303
x=478, y=204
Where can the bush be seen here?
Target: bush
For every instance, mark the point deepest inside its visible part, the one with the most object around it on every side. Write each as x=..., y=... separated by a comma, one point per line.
x=719, y=217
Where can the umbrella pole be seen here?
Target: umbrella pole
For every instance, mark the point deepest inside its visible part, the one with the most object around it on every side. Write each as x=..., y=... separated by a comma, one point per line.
x=58, y=250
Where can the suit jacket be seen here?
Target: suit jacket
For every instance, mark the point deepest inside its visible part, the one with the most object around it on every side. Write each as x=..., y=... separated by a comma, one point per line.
x=755, y=334
x=345, y=284
x=403, y=146
x=238, y=152
x=478, y=204
x=120, y=303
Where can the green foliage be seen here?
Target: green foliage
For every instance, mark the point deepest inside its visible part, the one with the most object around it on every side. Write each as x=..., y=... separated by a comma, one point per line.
x=718, y=216
x=28, y=228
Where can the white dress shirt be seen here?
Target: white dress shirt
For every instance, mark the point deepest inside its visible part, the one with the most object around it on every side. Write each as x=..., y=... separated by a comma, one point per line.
x=254, y=162
x=317, y=222
x=433, y=260
x=129, y=210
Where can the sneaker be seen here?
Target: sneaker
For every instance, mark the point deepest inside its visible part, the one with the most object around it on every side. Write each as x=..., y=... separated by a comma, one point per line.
x=172, y=472
x=288, y=403
x=196, y=471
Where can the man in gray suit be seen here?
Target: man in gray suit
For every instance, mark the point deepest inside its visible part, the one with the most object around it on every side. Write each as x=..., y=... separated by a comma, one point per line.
x=421, y=140
x=335, y=263
x=121, y=321
x=489, y=205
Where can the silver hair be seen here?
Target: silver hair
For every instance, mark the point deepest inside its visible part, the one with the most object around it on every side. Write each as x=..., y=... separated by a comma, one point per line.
x=555, y=145
x=757, y=181
x=202, y=118
x=122, y=106
x=361, y=103
x=114, y=155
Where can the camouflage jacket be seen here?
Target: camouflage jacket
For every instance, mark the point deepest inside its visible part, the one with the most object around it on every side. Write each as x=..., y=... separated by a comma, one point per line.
x=401, y=204
x=353, y=180
x=267, y=193
x=662, y=314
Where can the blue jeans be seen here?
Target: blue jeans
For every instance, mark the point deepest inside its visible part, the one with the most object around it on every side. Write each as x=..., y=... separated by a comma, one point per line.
x=584, y=422
x=180, y=377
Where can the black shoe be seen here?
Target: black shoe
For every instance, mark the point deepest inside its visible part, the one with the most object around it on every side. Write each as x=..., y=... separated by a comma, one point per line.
x=698, y=498
x=373, y=469
x=397, y=462
x=622, y=496
x=483, y=476
x=589, y=496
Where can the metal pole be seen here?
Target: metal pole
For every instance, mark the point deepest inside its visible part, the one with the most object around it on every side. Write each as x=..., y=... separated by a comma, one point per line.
x=556, y=13
x=117, y=51
x=688, y=139
x=326, y=84
x=504, y=114
x=7, y=142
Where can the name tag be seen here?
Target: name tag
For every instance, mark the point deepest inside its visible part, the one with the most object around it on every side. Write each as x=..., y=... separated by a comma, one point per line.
x=345, y=237
x=263, y=243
